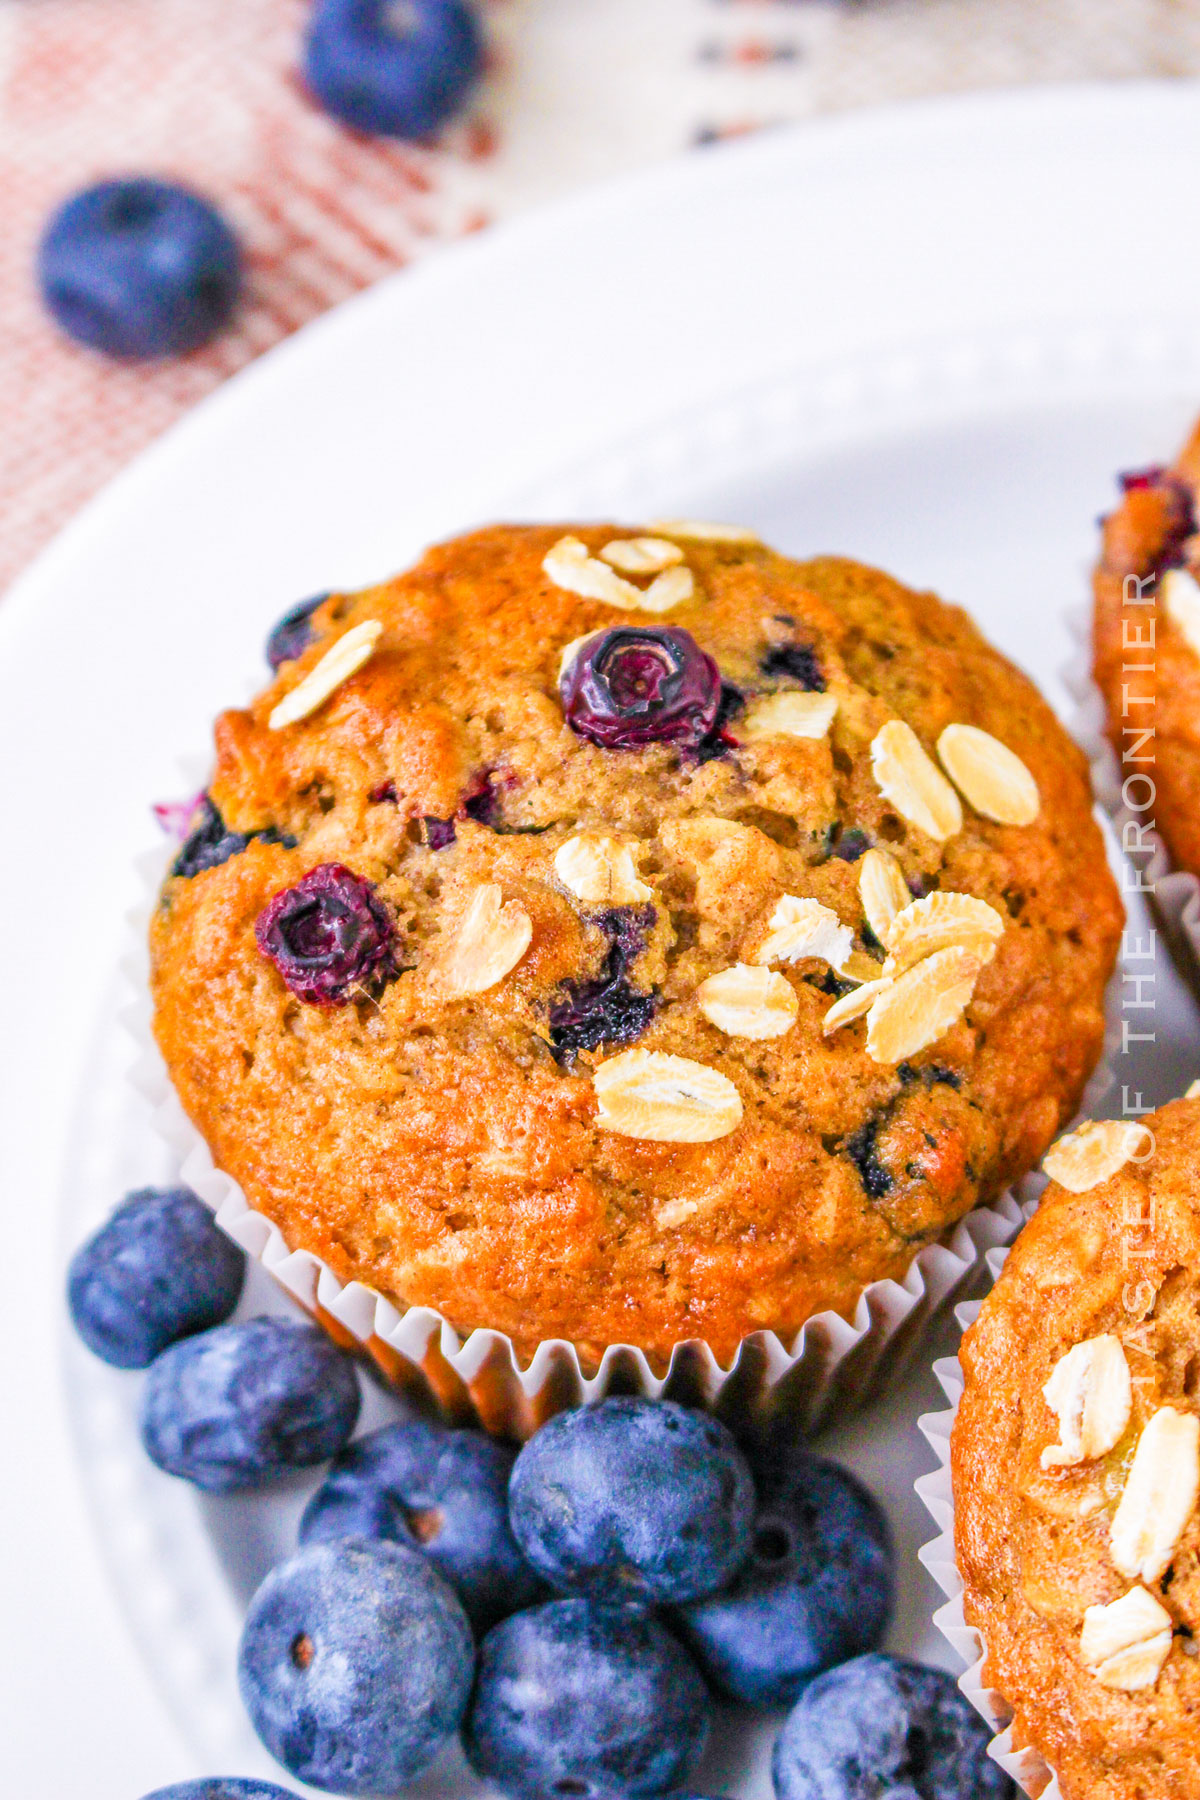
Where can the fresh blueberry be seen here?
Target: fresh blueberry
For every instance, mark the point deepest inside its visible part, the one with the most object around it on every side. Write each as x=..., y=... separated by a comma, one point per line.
x=606, y=1009
x=139, y=268
x=575, y=1698
x=884, y=1727
x=210, y=842
x=156, y=1271
x=355, y=1665
x=244, y=1404
x=328, y=935
x=639, y=685
x=633, y=1500
x=293, y=634
x=442, y=1492
x=225, y=1788
x=402, y=71
x=817, y=1590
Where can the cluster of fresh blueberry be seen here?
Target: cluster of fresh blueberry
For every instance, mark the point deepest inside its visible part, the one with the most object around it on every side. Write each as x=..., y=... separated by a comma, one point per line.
x=138, y=267
x=225, y=1406
x=571, y=1608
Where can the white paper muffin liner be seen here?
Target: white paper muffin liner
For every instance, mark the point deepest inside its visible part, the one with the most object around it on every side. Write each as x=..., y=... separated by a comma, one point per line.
x=1027, y=1767
x=832, y=1366
x=1173, y=893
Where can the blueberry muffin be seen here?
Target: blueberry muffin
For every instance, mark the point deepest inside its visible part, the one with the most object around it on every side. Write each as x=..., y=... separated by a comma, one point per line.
x=633, y=937
x=1076, y=1465
x=1147, y=651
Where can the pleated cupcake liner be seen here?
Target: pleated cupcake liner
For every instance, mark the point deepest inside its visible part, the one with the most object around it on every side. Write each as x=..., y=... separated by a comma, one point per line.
x=1173, y=894
x=832, y=1366
x=1027, y=1766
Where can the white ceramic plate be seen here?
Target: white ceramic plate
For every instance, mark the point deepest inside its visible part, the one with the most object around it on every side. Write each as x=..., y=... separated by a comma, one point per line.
x=925, y=337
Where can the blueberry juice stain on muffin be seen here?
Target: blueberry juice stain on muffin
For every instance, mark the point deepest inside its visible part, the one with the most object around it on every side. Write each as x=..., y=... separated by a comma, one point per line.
x=634, y=936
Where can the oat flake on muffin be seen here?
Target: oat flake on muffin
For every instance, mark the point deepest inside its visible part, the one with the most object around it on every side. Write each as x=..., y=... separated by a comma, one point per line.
x=520, y=832
x=1075, y=1458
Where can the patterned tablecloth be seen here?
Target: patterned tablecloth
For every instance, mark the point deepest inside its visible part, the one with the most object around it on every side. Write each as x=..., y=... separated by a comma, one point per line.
x=207, y=90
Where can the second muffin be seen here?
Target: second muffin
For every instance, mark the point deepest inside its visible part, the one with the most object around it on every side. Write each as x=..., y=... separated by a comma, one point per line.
x=583, y=935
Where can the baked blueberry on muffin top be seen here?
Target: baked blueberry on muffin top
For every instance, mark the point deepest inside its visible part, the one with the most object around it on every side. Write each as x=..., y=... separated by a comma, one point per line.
x=634, y=936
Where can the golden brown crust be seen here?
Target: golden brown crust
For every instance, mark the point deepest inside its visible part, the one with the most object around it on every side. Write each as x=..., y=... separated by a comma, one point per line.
x=1033, y=1545
x=1143, y=664
x=435, y=1149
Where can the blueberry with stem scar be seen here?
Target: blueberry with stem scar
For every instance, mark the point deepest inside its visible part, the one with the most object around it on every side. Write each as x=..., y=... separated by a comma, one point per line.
x=328, y=935
x=638, y=685
x=355, y=1665
x=443, y=1492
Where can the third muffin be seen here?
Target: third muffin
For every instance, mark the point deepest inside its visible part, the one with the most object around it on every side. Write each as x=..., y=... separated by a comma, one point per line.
x=1076, y=1465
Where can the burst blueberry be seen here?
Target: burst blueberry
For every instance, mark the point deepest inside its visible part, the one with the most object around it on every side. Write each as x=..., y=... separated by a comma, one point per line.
x=139, y=268
x=210, y=842
x=329, y=934
x=637, y=685
x=817, y=1590
x=292, y=635
x=862, y=1148
x=719, y=739
x=848, y=846
x=574, y=1698
x=1130, y=480
x=156, y=1271
x=795, y=662
x=1180, y=522
x=242, y=1405
x=355, y=1665
x=402, y=72
x=633, y=1500
x=881, y=1725
x=442, y=1492
x=607, y=1009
